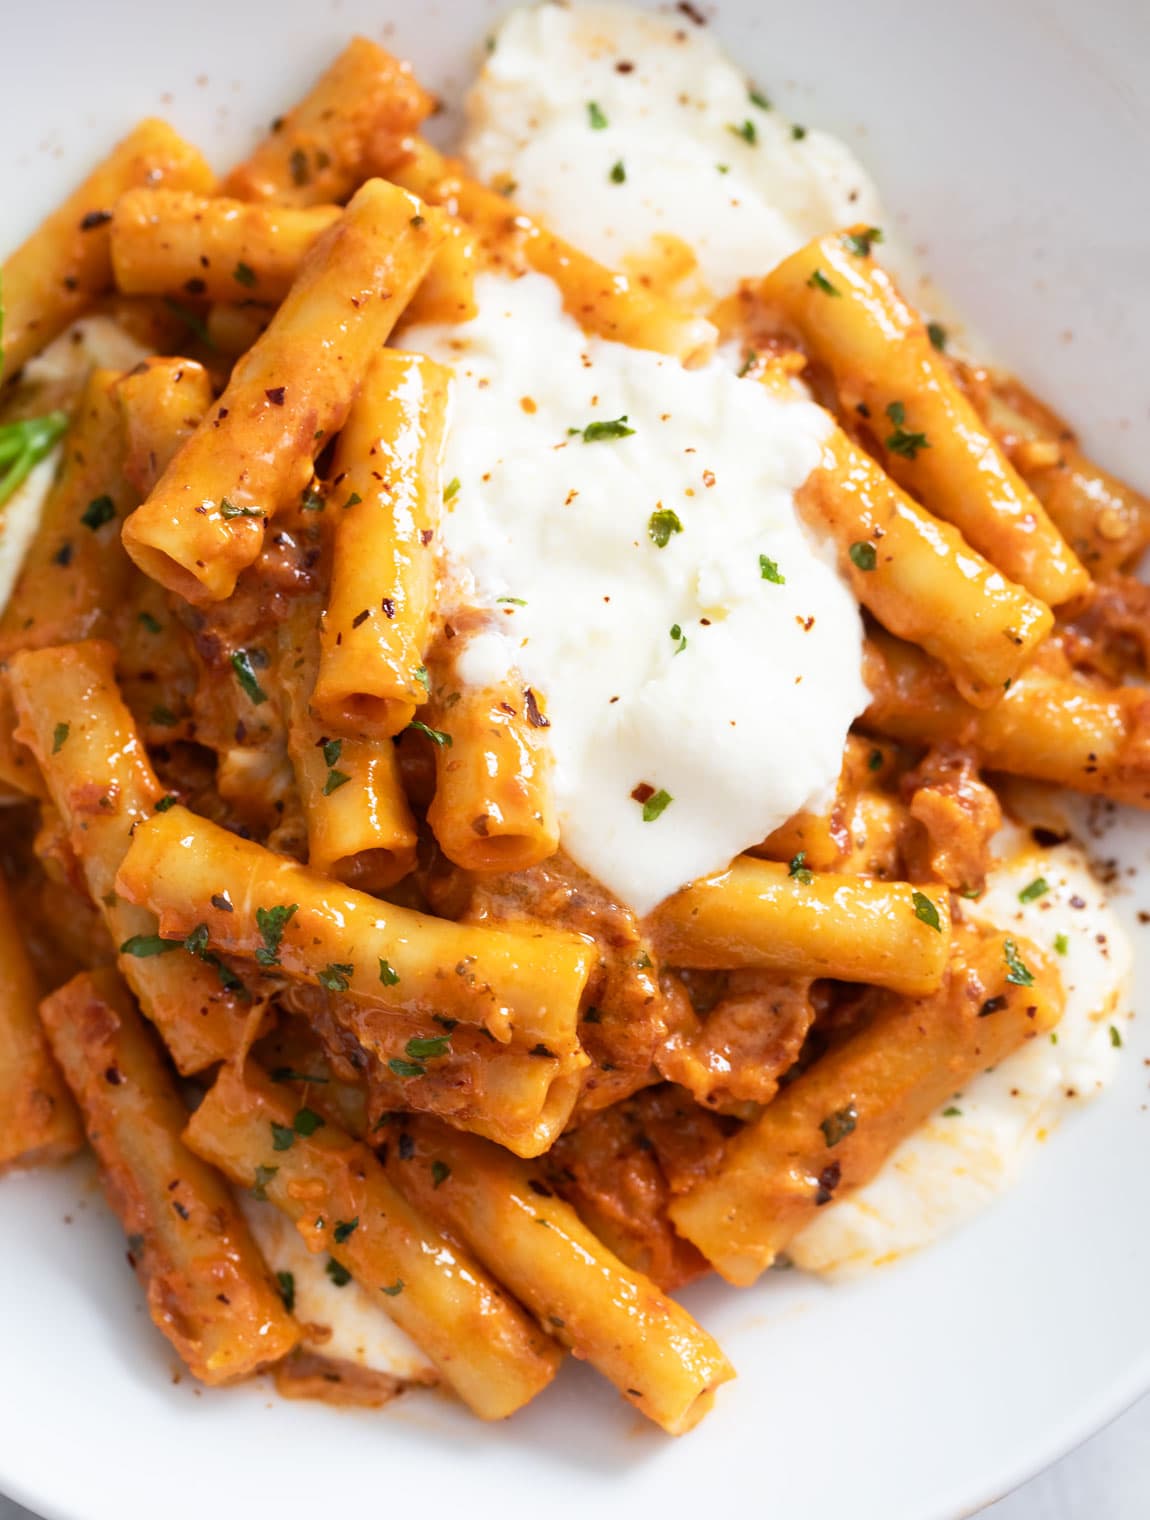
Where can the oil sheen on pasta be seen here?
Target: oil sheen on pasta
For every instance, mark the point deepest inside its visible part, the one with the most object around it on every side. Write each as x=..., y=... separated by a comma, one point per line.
x=980, y=1141
x=680, y=144
x=656, y=585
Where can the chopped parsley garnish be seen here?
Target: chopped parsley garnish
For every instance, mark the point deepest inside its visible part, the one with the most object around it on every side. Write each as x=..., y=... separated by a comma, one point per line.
x=394, y=1289
x=149, y=622
x=952, y=1112
x=819, y=281
x=335, y=779
x=661, y=525
x=769, y=571
x=746, y=130
x=289, y=1074
x=197, y=941
x=749, y=363
x=656, y=805
x=264, y=1175
x=312, y=501
x=1018, y=973
x=283, y=1136
x=244, y=274
x=23, y=445
x=229, y=510
x=1036, y=889
x=163, y=716
x=285, y=1282
x=423, y=678
x=165, y=803
x=901, y=441
x=306, y=1122
x=860, y=243
x=600, y=432
x=1115, y=1037
x=271, y=922
x=678, y=638
x=757, y=98
x=335, y=976
x=332, y=749
x=436, y=735
x=387, y=975
x=837, y=1126
x=595, y=116
x=926, y=911
x=1062, y=944
x=618, y=173
x=60, y=736
x=799, y=869
x=937, y=335
x=440, y=1172
x=337, y=1272
x=403, y=1068
x=191, y=320
x=451, y=488
x=874, y=760
x=144, y=945
x=864, y=556
x=344, y=1228
x=427, y=1048
x=246, y=676
x=99, y=511
x=797, y=132
x=514, y=601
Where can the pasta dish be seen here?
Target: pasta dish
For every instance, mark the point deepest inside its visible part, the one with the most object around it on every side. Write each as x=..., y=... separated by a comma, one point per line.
x=538, y=692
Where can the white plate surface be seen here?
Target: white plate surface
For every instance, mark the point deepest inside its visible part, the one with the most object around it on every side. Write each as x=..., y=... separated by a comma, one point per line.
x=1009, y=143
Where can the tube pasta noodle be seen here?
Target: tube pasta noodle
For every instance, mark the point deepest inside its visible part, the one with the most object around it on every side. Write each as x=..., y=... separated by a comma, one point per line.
x=493, y=808
x=934, y=442
x=204, y=521
x=38, y=1120
x=173, y=242
x=75, y=576
x=359, y=826
x=162, y=401
x=207, y=1287
x=602, y=300
x=75, y=723
x=387, y=490
x=1047, y=727
x=59, y=271
x=919, y=578
x=359, y=110
x=889, y=1078
x=609, y=1315
x=1103, y=519
x=523, y=984
x=802, y=923
x=342, y=1202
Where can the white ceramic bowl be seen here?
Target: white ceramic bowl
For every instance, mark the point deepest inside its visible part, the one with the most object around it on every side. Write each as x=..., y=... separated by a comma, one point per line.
x=1008, y=141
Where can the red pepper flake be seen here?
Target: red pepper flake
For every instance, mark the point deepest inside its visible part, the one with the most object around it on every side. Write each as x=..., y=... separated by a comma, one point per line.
x=276, y=395
x=114, y=1076
x=361, y=617
x=828, y=1179
x=94, y=219
x=425, y=536
x=691, y=12
x=534, y=716
x=643, y=792
x=388, y=607
x=624, y=66
x=708, y=478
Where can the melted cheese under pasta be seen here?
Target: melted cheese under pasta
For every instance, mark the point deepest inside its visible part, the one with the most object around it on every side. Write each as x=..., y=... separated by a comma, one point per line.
x=981, y=1139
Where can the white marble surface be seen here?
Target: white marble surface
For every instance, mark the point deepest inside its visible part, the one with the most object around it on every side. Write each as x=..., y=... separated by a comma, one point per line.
x=1107, y=1479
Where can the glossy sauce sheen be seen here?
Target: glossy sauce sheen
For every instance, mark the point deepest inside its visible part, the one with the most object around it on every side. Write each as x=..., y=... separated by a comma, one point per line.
x=560, y=537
